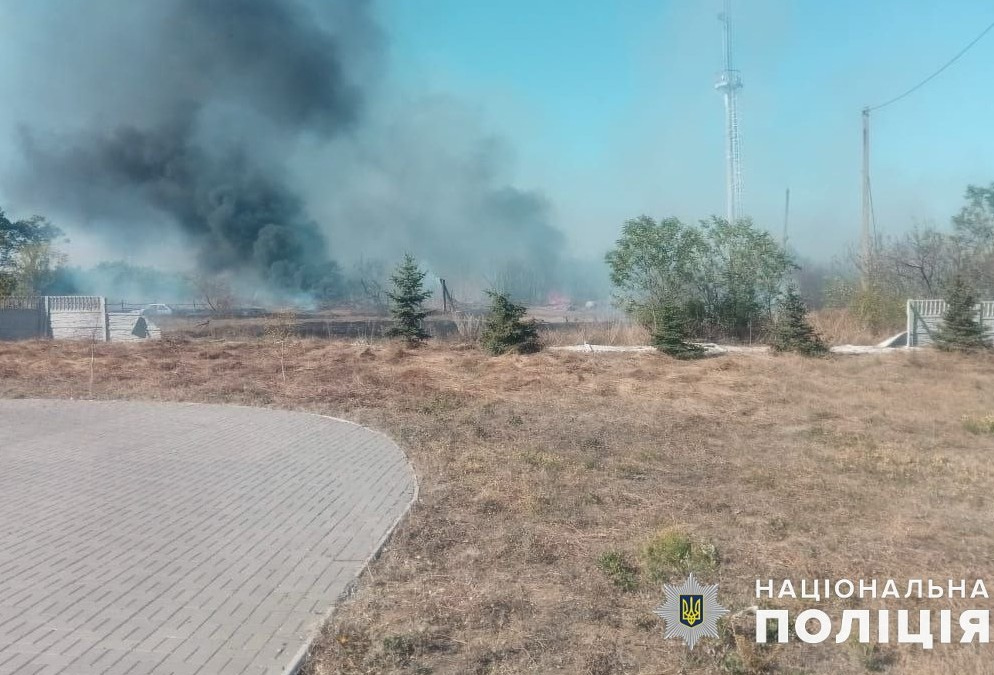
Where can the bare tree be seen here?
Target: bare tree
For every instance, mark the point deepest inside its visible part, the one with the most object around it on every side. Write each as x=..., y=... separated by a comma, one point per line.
x=369, y=284
x=923, y=260
x=281, y=331
x=216, y=293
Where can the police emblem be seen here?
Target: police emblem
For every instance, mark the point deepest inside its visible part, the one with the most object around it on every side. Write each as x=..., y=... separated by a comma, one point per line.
x=691, y=611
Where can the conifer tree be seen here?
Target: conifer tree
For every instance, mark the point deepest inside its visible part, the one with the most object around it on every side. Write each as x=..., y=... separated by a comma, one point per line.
x=792, y=332
x=407, y=302
x=960, y=329
x=670, y=334
x=506, y=330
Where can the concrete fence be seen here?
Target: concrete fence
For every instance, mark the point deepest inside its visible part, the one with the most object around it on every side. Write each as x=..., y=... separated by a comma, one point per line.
x=77, y=317
x=70, y=317
x=925, y=317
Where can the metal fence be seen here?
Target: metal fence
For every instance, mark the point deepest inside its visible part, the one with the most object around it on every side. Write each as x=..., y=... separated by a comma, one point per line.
x=925, y=317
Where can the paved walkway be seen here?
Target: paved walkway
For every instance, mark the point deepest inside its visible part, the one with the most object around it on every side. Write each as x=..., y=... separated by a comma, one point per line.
x=170, y=538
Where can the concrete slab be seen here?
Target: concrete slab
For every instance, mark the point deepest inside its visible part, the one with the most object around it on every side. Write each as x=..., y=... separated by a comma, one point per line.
x=172, y=538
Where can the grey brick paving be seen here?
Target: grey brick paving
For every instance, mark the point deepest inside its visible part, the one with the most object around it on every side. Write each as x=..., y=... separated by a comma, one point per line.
x=169, y=538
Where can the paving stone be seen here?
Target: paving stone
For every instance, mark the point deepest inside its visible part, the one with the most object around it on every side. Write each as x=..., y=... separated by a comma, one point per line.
x=155, y=538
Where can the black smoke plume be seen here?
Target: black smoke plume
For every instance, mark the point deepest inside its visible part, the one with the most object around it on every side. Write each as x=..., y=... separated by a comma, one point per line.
x=246, y=126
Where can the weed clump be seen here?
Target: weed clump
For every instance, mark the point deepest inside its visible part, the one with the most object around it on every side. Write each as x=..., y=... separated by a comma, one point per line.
x=979, y=425
x=618, y=570
x=672, y=553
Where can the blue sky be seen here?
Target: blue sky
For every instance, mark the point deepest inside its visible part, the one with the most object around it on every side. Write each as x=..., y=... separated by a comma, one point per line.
x=609, y=107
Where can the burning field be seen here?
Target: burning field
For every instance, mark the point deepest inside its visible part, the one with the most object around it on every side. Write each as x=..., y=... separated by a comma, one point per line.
x=558, y=491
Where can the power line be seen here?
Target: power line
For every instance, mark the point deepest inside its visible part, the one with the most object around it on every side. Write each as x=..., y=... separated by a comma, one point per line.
x=936, y=73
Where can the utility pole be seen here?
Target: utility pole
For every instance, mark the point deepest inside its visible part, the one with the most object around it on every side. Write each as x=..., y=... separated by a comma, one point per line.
x=866, y=244
x=786, y=218
x=728, y=83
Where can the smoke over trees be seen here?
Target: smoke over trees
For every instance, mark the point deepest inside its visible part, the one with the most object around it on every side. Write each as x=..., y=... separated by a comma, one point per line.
x=254, y=136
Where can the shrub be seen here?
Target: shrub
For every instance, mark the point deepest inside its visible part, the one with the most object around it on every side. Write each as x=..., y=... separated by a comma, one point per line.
x=670, y=334
x=407, y=302
x=792, y=332
x=506, y=330
x=724, y=275
x=961, y=329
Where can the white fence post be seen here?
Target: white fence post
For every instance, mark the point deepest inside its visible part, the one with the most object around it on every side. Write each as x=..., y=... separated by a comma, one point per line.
x=909, y=324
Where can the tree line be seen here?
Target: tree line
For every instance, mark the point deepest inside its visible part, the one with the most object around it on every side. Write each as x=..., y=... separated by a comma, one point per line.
x=710, y=280
x=718, y=280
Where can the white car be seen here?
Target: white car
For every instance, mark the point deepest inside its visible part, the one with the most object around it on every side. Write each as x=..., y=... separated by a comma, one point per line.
x=157, y=309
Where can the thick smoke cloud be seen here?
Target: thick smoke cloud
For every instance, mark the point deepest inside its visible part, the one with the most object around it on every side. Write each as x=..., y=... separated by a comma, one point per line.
x=258, y=65
x=259, y=131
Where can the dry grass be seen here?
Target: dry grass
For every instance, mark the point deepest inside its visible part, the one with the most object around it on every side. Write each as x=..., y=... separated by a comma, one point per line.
x=617, y=332
x=556, y=487
x=841, y=327
x=836, y=326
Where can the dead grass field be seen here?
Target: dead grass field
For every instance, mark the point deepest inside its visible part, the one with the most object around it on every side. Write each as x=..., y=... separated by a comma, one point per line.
x=543, y=478
x=840, y=327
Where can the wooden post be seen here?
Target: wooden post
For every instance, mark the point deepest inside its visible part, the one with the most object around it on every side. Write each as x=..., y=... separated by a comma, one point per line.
x=106, y=319
x=445, y=297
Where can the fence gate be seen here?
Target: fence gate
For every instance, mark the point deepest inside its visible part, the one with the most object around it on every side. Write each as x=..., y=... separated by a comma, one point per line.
x=925, y=317
x=23, y=318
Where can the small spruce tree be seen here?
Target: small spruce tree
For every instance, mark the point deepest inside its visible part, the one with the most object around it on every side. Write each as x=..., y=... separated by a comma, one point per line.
x=792, y=332
x=506, y=330
x=960, y=329
x=407, y=302
x=670, y=334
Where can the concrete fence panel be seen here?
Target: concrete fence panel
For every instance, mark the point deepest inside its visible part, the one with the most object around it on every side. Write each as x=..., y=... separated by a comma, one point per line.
x=925, y=317
x=77, y=317
x=130, y=326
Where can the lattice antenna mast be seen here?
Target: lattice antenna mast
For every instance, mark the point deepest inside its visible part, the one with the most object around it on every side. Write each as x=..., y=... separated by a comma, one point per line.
x=729, y=82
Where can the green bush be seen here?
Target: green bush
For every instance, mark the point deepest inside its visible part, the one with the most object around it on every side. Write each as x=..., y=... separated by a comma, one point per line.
x=670, y=334
x=960, y=329
x=506, y=330
x=723, y=275
x=792, y=332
